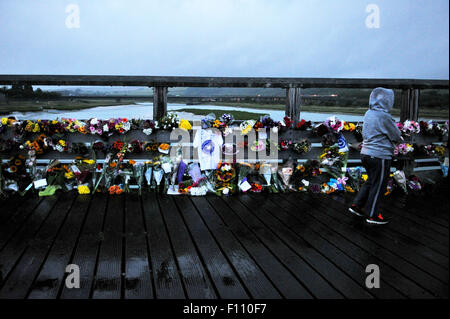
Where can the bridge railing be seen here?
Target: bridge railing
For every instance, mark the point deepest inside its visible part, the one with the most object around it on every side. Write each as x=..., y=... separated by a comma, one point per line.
x=293, y=86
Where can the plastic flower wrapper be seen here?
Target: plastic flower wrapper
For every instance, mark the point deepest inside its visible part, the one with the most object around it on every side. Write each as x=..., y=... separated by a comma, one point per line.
x=285, y=172
x=444, y=167
x=158, y=174
x=127, y=172
x=195, y=172
x=148, y=173
x=414, y=183
x=354, y=177
x=247, y=126
x=400, y=179
x=244, y=169
x=334, y=162
x=138, y=169
x=208, y=120
x=167, y=166
x=185, y=125
x=265, y=169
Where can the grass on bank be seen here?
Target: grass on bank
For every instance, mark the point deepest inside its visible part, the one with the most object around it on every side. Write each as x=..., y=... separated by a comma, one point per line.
x=427, y=112
x=31, y=106
x=238, y=115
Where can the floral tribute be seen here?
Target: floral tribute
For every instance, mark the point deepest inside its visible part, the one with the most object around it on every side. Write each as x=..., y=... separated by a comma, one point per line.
x=116, y=173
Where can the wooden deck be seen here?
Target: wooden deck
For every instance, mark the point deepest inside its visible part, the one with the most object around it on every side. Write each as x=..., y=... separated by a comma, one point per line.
x=247, y=246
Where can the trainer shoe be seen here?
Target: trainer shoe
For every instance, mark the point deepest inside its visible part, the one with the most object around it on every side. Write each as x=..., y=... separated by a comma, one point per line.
x=378, y=220
x=355, y=210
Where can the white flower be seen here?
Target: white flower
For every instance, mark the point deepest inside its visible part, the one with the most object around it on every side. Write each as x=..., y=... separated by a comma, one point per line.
x=105, y=128
x=126, y=126
x=147, y=131
x=94, y=121
x=225, y=191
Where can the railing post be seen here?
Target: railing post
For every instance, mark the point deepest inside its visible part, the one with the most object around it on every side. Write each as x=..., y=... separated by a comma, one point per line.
x=159, y=102
x=409, y=109
x=293, y=104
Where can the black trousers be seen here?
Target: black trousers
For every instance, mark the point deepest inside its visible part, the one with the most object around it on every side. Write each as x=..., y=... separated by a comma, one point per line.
x=373, y=190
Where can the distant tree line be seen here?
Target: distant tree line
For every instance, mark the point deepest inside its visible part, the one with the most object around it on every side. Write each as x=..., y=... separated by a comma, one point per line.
x=18, y=91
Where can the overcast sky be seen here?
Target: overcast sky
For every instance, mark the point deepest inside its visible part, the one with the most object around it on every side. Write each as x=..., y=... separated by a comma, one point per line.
x=326, y=38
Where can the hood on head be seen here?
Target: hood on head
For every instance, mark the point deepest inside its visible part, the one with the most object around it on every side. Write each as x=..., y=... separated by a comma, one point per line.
x=381, y=99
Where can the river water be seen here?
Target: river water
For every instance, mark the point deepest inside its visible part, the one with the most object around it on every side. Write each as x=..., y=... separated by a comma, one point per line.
x=144, y=110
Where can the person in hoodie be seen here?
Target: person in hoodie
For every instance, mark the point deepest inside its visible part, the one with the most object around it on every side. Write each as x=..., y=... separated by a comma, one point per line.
x=380, y=134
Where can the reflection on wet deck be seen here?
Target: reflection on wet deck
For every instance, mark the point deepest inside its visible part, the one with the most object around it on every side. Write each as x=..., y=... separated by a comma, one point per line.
x=247, y=246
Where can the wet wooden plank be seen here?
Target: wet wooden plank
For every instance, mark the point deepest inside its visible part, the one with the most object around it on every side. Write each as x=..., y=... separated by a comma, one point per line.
x=108, y=278
x=433, y=245
x=195, y=278
x=324, y=242
x=359, y=235
x=222, y=274
x=166, y=276
x=87, y=248
x=303, y=220
x=13, y=250
x=256, y=282
x=407, y=248
x=12, y=225
x=51, y=277
x=21, y=278
x=317, y=273
x=10, y=206
x=281, y=277
x=138, y=283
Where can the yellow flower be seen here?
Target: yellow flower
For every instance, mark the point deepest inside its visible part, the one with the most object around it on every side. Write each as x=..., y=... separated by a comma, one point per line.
x=36, y=128
x=62, y=142
x=69, y=175
x=83, y=189
x=4, y=120
x=364, y=177
x=246, y=130
x=185, y=124
x=90, y=162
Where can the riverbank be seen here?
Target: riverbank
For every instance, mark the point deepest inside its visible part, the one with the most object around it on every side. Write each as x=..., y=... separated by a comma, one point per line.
x=63, y=105
x=241, y=113
x=427, y=112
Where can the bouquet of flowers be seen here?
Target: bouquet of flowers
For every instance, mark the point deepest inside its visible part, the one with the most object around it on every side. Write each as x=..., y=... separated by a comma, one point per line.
x=334, y=162
x=403, y=149
x=247, y=126
x=168, y=122
x=244, y=169
x=302, y=146
x=408, y=127
x=284, y=144
x=354, y=178
x=357, y=132
x=285, y=172
x=334, y=124
x=287, y=122
x=303, y=125
x=148, y=126
x=225, y=175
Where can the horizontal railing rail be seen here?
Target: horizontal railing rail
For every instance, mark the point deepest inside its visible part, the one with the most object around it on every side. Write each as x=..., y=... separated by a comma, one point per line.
x=202, y=81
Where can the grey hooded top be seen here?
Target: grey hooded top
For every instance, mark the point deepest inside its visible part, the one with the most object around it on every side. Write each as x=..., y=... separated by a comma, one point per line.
x=380, y=133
